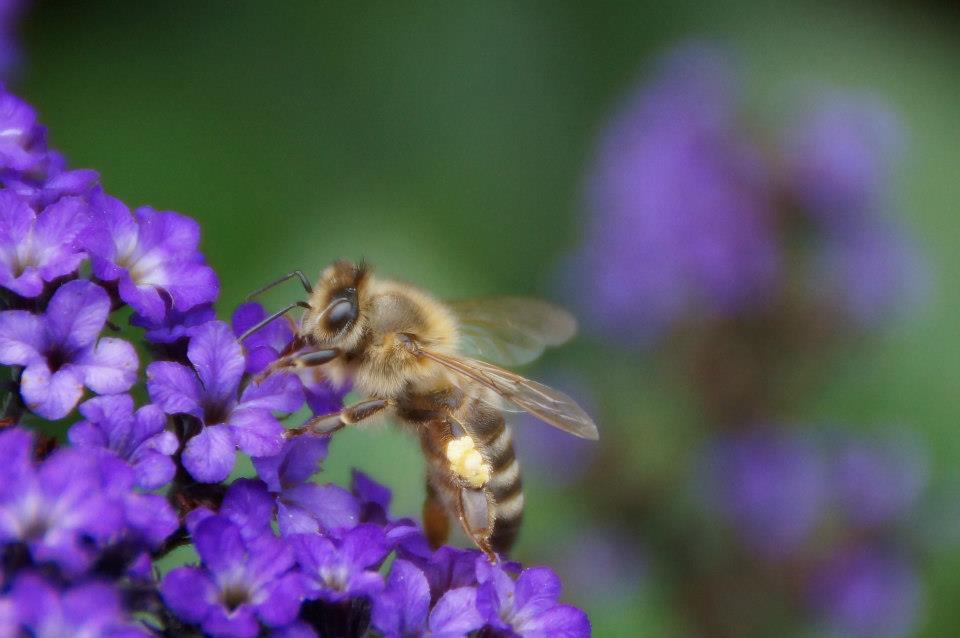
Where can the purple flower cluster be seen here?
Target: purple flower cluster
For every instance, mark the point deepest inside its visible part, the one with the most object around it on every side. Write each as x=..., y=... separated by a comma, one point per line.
x=837, y=506
x=82, y=525
x=691, y=217
x=310, y=579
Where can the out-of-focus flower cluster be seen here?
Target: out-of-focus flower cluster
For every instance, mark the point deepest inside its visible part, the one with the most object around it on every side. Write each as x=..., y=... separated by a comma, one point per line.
x=832, y=509
x=695, y=214
x=745, y=250
x=83, y=526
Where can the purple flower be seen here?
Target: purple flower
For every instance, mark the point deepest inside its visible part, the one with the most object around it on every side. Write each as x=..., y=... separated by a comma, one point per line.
x=23, y=144
x=529, y=606
x=241, y=581
x=152, y=256
x=176, y=325
x=35, y=249
x=868, y=593
x=870, y=272
x=840, y=155
x=265, y=345
x=879, y=481
x=346, y=568
x=544, y=449
x=10, y=12
x=769, y=485
x=403, y=610
x=138, y=438
x=90, y=610
x=304, y=507
x=208, y=391
x=57, y=508
x=61, y=353
x=679, y=218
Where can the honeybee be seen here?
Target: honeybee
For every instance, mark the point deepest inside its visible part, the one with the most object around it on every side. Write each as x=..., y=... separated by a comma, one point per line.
x=432, y=366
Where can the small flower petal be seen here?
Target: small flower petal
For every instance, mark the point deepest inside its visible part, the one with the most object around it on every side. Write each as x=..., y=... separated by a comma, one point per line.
x=210, y=455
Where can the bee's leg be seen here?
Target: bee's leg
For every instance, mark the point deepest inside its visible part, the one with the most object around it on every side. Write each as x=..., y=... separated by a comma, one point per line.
x=299, y=360
x=473, y=512
x=350, y=415
x=436, y=523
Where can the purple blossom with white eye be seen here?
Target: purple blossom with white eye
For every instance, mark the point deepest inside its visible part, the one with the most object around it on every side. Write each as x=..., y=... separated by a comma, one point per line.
x=304, y=507
x=90, y=610
x=528, y=606
x=338, y=569
x=769, y=485
x=137, y=437
x=151, y=255
x=264, y=346
x=242, y=583
x=867, y=592
x=680, y=217
x=208, y=391
x=56, y=509
x=403, y=610
x=60, y=351
x=36, y=249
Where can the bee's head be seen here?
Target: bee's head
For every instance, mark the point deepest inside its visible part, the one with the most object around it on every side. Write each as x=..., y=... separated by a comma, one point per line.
x=336, y=306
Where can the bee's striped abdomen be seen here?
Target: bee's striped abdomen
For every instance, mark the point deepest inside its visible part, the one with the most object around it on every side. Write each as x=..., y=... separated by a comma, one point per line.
x=505, y=488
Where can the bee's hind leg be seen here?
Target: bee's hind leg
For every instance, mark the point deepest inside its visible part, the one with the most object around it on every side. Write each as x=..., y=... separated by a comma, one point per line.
x=350, y=415
x=474, y=513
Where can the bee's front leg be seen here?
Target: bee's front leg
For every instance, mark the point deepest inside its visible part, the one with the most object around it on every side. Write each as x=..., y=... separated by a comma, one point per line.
x=350, y=415
x=299, y=360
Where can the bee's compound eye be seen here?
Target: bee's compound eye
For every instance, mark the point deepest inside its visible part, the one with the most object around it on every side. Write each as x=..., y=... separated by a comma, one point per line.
x=342, y=313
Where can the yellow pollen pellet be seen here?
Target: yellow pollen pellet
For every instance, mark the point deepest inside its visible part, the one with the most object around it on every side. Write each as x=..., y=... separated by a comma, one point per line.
x=467, y=461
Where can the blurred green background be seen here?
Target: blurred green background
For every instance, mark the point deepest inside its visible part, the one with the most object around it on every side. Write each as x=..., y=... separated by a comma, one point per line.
x=446, y=143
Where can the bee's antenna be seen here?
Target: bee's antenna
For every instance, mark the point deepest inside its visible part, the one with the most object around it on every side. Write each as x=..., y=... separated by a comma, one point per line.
x=265, y=321
x=296, y=273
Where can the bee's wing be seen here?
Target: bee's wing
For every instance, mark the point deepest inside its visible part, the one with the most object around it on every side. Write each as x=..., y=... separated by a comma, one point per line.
x=550, y=405
x=510, y=331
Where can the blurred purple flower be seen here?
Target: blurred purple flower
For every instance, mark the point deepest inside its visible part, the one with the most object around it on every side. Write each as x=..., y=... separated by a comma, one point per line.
x=868, y=593
x=10, y=13
x=152, y=255
x=679, y=218
x=871, y=272
x=840, y=155
x=208, y=391
x=528, y=607
x=770, y=485
x=346, y=568
x=55, y=509
x=601, y=562
x=240, y=582
x=61, y=353
x=90, y=610
x=265, y=345
x=304, y=507
x=36, y=249
x=139, y=438
x=544, y=449
x=403, y=609
x=879, y=480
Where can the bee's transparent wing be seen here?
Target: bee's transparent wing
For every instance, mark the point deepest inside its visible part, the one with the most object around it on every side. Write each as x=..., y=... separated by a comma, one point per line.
x=510, y=331
x=551, y=406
